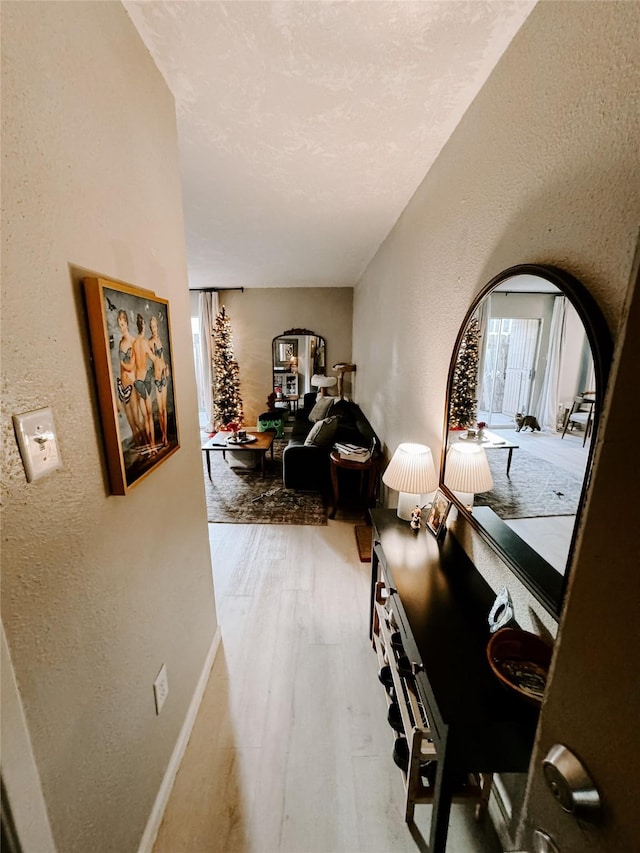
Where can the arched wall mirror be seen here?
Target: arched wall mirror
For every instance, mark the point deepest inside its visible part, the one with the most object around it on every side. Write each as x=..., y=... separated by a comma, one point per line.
x=296, y=356
x=525, y=389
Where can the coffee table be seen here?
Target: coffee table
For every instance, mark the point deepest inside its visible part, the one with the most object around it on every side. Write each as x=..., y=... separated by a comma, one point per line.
x=220, y=443
x=490, y=441
x=497, y=442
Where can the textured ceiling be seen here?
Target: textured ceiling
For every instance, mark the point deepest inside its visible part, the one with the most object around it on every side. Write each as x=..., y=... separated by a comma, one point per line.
x=306, y=127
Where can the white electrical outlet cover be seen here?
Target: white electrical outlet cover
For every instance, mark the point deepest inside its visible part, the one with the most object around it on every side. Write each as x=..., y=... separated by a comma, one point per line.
x=38, y=444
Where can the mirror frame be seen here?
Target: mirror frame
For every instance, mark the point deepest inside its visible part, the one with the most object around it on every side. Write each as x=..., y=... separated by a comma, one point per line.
x=539, y=577
x=276, y=364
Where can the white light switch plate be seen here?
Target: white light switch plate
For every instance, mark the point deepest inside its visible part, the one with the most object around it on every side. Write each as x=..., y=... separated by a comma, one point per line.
x=37, y=441
x=161, y=688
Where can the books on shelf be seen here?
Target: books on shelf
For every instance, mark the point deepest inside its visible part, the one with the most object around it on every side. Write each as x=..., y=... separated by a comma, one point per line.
x=352, y=452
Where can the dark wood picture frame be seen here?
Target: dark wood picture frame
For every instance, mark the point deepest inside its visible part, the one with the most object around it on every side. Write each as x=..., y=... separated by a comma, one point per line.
x=284, y=349
x=132, y=358
x=437, y=515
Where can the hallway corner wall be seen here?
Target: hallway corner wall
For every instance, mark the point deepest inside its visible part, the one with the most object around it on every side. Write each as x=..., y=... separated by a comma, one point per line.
x=97, y=591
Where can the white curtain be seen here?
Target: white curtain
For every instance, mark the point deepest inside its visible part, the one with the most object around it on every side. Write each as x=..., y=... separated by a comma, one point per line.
x=547, y=413
x=208, y=310
x=483, y=315
x=590, y=380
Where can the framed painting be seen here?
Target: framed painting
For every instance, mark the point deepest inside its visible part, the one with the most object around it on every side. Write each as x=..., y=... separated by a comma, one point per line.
x=130, y=337
x=285, y=349
x=437, y=515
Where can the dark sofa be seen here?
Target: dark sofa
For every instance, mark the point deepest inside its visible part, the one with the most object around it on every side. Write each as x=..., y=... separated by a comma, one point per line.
x=306, y=466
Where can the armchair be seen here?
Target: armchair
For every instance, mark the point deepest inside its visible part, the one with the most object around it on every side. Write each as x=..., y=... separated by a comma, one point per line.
x=581, y=413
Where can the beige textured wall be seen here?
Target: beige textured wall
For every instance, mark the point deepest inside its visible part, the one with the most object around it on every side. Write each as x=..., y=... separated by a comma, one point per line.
x=97, y=591
x=542, y=168
x=259, y=315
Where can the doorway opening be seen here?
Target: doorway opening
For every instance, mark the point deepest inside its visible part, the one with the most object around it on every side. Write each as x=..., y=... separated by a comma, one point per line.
x=507, y=369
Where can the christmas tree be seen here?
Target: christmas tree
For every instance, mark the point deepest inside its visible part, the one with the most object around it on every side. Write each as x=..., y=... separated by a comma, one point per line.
x=227, y=402
x=463, y=401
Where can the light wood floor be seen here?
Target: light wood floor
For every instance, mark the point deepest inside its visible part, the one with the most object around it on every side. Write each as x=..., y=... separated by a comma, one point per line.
x=550, y=536
x=291, y=750
x=566, y=453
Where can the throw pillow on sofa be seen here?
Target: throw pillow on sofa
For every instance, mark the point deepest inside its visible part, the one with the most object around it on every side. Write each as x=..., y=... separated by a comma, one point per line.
x=321, y=409
x=322, y=433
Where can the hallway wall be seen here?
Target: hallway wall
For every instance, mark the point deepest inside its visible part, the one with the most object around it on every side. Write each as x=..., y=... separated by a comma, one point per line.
x=543, y=168
x=97, y=591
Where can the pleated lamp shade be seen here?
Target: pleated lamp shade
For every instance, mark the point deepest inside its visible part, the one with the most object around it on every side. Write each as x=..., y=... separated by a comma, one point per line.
x=467, y=471
x=412, y=473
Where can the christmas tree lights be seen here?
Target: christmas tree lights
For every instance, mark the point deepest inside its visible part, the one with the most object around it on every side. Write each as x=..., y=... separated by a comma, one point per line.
x=463, y=402
x=227, y=402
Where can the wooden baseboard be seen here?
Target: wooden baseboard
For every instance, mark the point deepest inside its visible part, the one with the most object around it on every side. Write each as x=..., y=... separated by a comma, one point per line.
x=164, y=792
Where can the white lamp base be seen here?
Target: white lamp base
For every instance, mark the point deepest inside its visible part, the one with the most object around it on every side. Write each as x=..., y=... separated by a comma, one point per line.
x=427, y=498
x=406, y=503
x=465, y=498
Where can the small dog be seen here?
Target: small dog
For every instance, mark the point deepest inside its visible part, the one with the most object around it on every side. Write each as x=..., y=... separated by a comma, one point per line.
x=524, y=421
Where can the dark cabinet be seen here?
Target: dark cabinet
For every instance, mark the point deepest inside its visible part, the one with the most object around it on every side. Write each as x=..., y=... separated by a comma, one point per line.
x=428, y=624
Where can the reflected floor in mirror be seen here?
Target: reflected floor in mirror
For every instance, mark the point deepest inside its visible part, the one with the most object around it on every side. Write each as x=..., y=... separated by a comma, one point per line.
x=550, y=535
x=291, y=749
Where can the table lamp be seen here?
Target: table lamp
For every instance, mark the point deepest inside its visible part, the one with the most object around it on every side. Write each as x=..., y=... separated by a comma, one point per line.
x=467, y=471
x=411, y=472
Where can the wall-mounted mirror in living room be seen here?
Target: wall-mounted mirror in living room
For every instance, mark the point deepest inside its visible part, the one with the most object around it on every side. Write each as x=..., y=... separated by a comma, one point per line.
x=297, y=355
x=526, y=385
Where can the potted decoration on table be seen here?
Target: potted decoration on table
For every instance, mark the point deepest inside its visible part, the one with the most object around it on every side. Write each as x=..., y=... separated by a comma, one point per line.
x=234, y=427
x=482, y=425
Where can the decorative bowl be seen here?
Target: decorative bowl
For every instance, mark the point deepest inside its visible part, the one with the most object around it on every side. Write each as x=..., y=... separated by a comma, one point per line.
x=249, y=439
x=520, y=661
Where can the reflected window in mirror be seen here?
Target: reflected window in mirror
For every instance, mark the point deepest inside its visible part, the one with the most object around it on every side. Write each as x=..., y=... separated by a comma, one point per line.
x=526, y=382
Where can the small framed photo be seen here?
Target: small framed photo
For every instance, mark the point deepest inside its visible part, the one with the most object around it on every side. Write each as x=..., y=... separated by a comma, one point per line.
x=133, y=362
x=437, y=515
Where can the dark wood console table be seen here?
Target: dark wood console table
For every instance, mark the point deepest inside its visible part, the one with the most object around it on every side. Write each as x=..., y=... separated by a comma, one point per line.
x=451, y=703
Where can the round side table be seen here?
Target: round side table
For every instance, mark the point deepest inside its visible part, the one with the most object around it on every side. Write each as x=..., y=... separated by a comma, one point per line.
x=368, y=485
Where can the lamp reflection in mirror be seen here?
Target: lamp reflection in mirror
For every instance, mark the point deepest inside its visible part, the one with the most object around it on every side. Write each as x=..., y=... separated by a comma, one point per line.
x=412, y=473
x=467, y=471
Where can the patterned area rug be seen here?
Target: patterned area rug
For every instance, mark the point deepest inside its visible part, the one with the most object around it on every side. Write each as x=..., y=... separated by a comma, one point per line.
x=534, y=489
x=243, y=496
